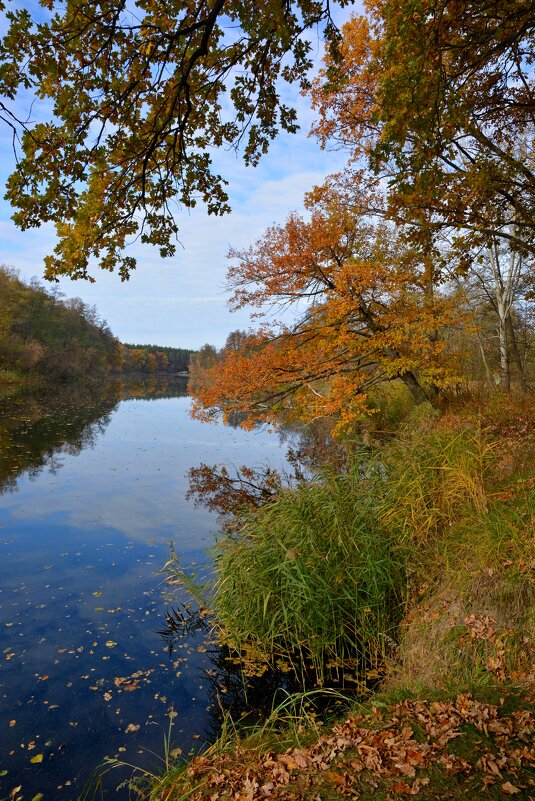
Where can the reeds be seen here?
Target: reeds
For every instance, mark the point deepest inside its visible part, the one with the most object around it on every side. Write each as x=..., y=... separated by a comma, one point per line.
x=435, y=478
x=312, y=579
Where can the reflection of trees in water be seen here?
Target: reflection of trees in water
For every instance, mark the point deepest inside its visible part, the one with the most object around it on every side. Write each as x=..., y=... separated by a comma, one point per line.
x=231, y=691
x=311, y=445
x=235, y=419
x=228, y=489
x=36, y=430
x=154, y=387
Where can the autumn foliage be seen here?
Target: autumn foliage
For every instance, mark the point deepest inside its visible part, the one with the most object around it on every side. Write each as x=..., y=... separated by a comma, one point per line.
x=136, y=98
x=433, y=103
x=366, y=308
x=439, y=96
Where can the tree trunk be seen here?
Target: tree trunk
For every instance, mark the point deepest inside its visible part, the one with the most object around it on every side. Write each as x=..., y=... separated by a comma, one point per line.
x=516, y=354
x=505, y=372
x=490, y=380
x=417, y=391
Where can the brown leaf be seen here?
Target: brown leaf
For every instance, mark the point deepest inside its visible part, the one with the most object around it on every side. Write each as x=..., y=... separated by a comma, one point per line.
x=335, y=778
x=132, y=727
x=288, y=761
x=509, y=788
x=301, y=759
x=402, y=788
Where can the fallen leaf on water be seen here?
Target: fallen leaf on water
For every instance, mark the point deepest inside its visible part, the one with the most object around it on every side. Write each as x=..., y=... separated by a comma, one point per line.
x=36, y=759
x=12, y=723
x=132, y=727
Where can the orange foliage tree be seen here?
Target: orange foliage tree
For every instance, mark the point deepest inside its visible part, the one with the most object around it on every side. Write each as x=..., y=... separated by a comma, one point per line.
x=366, y=307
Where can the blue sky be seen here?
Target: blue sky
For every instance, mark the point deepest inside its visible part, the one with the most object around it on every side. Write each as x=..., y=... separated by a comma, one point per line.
x=182, y=301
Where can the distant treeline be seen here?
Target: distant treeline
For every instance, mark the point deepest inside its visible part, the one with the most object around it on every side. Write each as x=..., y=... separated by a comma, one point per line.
x=44, y=335
x=155, y=359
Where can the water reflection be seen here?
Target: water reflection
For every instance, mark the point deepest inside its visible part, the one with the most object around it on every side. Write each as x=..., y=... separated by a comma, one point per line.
x=37, y=429
x=93, y=491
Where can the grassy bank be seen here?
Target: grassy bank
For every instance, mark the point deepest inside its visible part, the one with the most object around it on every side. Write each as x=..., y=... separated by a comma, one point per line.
x=415, y=566
x=437, y=747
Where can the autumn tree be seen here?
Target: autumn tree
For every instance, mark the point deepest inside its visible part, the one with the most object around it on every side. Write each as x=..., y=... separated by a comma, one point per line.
x=439, y=97
x=140, y=93
x=364, y=316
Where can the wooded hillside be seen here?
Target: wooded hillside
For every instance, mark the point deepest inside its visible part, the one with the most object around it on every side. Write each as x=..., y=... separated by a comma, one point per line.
x=42, y=334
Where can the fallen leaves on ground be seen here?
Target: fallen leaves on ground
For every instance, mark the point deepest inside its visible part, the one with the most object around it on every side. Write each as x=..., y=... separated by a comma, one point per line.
x=409, y=749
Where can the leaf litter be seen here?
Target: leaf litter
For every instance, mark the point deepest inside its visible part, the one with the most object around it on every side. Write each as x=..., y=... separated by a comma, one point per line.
x=414, y=748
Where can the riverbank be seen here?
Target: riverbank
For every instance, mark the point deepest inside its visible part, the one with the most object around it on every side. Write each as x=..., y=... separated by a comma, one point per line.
x=451, y=514
x=465, y=747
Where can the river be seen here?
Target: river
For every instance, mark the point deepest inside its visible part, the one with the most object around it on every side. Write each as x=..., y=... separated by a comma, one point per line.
x=92, y=492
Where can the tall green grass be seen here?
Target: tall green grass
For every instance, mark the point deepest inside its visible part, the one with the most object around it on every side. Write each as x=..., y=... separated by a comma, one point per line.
x=313, y=578
x=435, y=478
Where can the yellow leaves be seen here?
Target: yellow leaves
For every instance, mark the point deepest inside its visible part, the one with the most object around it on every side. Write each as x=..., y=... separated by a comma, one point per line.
x=37, y=759
x=335, y=778
x=288, y=761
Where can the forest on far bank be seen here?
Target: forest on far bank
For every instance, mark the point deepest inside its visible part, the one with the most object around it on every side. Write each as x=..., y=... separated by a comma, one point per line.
x=47, y=337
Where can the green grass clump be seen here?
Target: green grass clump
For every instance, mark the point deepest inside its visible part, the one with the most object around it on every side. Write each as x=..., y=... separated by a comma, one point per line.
x=435, y=478
x=313, y=576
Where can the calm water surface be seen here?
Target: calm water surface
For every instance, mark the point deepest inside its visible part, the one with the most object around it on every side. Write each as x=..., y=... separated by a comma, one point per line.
x=92, y=492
